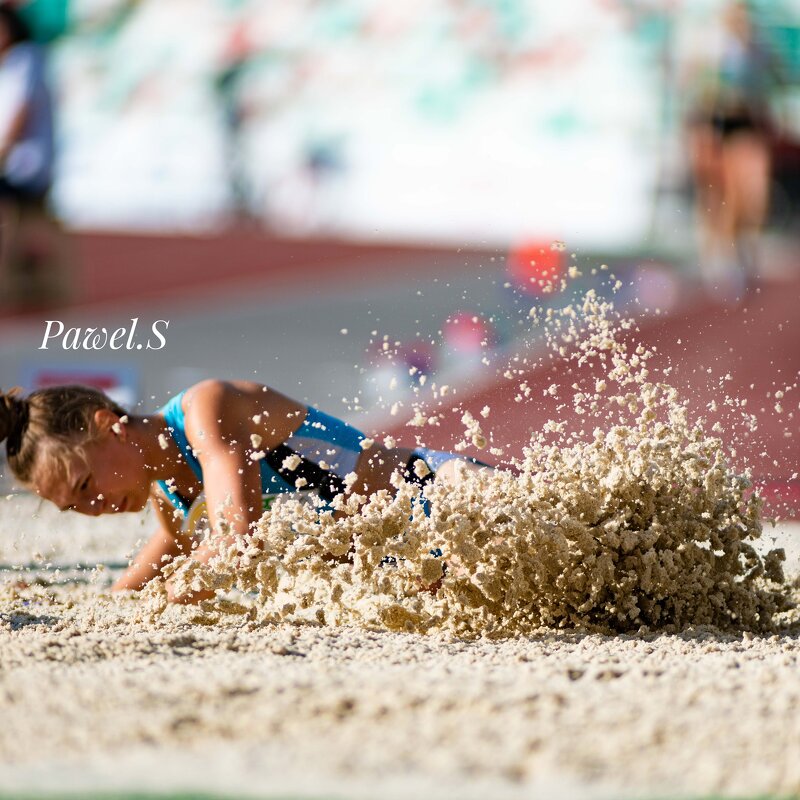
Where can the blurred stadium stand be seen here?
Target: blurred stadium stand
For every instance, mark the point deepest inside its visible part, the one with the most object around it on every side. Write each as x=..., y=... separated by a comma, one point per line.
x=348, y=118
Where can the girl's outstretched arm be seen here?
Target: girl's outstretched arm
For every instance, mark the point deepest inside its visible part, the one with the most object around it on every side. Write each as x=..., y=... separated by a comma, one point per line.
x=165, y=544
x=219, y=424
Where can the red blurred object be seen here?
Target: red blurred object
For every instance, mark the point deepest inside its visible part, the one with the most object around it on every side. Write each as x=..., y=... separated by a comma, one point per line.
x=238, y=45
x=97, y=380
x=534, y=264
x=467, y=332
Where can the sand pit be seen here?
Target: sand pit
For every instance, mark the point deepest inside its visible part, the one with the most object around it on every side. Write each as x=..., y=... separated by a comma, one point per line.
x=95, y=697
x=612, y=622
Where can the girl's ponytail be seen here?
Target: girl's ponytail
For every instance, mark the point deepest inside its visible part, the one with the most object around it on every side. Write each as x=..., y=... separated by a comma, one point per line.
x=14, y=412
x=56, y=421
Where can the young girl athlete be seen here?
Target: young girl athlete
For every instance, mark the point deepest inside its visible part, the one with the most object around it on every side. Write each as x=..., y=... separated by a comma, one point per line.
x=236, y=441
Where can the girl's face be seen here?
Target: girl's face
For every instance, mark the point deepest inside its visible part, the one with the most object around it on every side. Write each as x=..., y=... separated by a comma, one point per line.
x=113, y=477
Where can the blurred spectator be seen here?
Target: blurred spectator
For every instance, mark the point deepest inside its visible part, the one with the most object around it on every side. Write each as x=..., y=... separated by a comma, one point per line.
x=234, y=65
x=730, y=131
x=26, y=164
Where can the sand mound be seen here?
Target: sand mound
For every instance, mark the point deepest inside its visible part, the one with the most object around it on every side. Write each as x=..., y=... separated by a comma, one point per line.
x=638, y=524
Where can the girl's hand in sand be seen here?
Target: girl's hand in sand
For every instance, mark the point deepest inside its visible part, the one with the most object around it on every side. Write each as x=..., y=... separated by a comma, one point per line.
x=219, y=424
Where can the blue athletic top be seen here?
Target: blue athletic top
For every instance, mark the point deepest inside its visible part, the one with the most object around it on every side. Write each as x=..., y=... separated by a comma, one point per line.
x=320, y=438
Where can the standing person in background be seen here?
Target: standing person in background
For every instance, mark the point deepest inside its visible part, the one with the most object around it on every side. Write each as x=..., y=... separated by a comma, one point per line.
x=26, y=151
x=227, y=84
x=730, y=130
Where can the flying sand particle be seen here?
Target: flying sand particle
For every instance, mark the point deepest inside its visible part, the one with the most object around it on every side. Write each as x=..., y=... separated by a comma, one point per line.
x=291, y=462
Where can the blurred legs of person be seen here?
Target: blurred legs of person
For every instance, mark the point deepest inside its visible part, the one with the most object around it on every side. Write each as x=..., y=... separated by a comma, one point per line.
x=30, y=238
x=33, y=252
x=731, y=170
x=718, y=266
x=746, y=174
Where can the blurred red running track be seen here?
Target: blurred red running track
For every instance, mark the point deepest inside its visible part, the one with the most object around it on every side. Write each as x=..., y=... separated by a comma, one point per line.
x=119, y=267
x=757, y=345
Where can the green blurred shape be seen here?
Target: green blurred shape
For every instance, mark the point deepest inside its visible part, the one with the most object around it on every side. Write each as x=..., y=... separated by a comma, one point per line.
x=513, y=18
x=566, y=122
x=445, y=101
x=786, y=41
x=337, y=21
x=778, y=23
x=47, y=19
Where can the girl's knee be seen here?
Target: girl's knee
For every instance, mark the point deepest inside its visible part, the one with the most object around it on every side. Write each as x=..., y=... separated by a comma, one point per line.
x=454, y=471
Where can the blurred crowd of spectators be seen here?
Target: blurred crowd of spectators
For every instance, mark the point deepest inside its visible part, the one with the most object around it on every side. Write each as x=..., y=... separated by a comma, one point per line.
x=483, y=121
x=301, y=115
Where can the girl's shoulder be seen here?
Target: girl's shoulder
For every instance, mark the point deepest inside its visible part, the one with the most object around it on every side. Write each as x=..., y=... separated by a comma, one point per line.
x=237, y=395
x=173, y=406
x=228, y=405
x=199, y=390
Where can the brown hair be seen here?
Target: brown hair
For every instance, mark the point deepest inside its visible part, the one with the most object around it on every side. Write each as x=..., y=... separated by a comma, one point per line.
x=58, y=419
